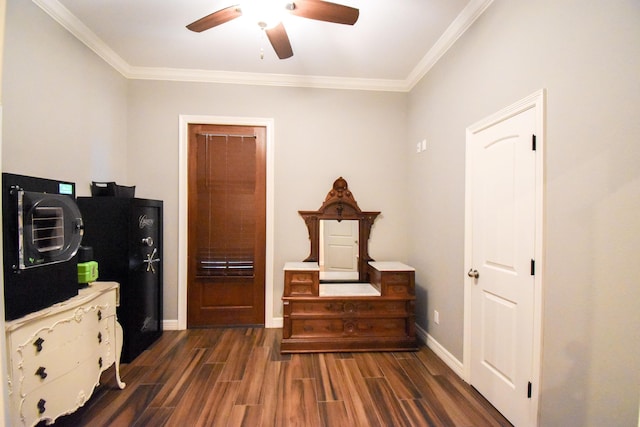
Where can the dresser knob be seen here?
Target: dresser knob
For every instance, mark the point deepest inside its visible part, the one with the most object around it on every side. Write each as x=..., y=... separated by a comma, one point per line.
x=349, y=327
x=41, y=372
x=41, y=407
x=38, y=344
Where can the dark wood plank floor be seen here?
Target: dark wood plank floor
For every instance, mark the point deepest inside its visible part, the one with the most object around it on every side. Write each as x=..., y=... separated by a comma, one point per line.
x=237, y=377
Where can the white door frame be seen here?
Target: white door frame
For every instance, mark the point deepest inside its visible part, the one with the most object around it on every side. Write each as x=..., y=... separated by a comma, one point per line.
x=183, y=158
x=537, y=101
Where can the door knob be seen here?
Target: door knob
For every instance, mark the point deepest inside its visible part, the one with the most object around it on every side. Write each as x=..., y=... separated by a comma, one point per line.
x=473, y=273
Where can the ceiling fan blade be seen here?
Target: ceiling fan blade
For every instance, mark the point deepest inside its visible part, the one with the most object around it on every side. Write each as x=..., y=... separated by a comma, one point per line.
x=280, y=41
x=325, y=11
x=216, y=18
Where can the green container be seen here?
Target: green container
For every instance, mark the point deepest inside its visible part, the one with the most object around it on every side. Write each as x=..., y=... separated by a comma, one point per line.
x=87, y=272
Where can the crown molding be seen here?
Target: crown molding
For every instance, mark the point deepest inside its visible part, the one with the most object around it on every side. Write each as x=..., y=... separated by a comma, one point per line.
x=458, y=27
x=465, y=19
x=71, y=23
x=264, y=79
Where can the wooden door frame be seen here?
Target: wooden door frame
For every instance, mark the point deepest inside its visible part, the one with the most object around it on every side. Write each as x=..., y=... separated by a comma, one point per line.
x=537, y=101
x=183, y=224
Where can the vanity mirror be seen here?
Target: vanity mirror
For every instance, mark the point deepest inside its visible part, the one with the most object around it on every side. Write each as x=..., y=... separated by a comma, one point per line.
x=339, y=236
x=339, y=299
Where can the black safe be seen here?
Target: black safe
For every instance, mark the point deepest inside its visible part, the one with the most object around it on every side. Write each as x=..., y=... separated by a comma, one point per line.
x=126, y=237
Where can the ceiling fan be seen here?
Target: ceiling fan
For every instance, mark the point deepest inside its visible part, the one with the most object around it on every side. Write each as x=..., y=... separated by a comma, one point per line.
x=311, y=9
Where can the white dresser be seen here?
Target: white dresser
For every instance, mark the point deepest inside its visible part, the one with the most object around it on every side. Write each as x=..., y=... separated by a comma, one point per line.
x=55, y=356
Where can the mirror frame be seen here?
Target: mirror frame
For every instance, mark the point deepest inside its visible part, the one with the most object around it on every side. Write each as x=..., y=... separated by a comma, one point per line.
x=340, y=204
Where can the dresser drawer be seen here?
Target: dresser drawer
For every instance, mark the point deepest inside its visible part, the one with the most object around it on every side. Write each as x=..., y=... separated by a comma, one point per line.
x=61, y=396
x=301, y=283
x=345, y=307
x=393, y=283
x=56, y=355
x=106, y=338
x=45, y=368
x=397, y=284
x=334, y=328
x=45, y=333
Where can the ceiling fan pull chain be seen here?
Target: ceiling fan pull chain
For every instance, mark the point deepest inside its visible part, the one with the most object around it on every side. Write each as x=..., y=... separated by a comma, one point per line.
x=263, y=37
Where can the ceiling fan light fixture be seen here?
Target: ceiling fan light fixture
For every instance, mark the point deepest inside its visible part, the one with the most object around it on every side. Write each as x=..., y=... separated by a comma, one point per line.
x=269, y=15
x=265, y=13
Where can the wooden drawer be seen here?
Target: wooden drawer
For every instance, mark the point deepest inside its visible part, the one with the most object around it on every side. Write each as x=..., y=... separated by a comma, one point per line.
x=106, y=338
x=397, y=284
x=53, y=352
x=393, y=283
x=335, y=328
x=46, y=368
x=61, y=396
x=348, y=308
x=301, y=283
x=62, y=327
x=56, y=355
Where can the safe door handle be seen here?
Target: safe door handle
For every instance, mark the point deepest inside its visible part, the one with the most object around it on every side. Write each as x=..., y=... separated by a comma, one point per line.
x=151, y=259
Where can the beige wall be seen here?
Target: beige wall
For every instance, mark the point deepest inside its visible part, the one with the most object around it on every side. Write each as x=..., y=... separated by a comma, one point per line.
x=4, y=413
x=586, y=56
x=319, y=136
x=64, y=107
x=61, y=101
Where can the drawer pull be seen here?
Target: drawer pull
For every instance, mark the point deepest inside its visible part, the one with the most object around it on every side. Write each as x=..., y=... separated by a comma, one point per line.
x=99, y=337
x=41, y=372
x=38, y=344
x=41, y=407
x=100, y=362
x=99, y=314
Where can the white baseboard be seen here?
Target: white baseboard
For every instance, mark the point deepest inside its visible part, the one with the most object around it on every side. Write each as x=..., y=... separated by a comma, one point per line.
x=172, y=324
x=448, y=358
x=275, y=322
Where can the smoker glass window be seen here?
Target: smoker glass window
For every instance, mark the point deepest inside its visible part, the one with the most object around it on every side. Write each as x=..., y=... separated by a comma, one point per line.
x=47, y=232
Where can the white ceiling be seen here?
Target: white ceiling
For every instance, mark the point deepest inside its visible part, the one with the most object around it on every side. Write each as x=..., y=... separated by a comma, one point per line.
x=391, y=46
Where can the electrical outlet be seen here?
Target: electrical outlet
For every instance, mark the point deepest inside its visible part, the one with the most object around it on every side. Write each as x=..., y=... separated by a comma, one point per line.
x=436, y=317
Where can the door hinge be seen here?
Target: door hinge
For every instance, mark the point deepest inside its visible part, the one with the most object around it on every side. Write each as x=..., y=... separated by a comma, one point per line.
x=533, y=142
x=533, y=267
x=529, y=387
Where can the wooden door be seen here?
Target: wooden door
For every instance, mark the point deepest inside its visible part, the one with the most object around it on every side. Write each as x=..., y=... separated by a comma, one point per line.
x=227, y=225
x=502, y=168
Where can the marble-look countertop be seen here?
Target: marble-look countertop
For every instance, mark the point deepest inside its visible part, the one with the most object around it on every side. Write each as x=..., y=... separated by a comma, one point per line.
x=309, y=266
x=348, y=290
x=390, y=266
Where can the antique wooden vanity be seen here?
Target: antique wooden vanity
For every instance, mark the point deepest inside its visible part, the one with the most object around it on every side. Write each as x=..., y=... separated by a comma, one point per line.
x=338, y=298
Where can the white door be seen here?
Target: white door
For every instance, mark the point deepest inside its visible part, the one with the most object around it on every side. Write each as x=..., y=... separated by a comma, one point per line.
x=339, y=249
x=502, y=168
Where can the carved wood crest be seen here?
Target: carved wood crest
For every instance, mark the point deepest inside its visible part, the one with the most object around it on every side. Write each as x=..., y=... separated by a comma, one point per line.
x=339, y=204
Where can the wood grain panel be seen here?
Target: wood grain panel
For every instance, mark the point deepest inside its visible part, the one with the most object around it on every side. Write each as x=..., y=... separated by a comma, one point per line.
x=237, y=377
